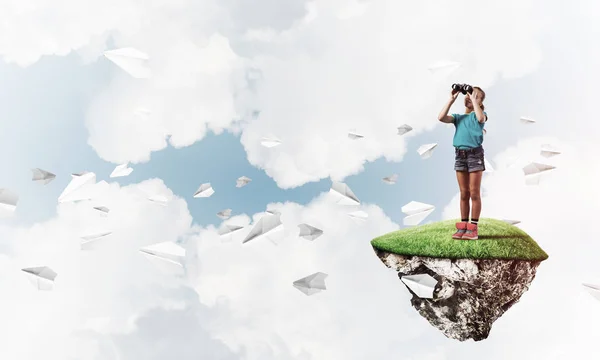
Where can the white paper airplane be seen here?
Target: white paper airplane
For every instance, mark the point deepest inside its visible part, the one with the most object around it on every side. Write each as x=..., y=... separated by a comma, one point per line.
x=594, y=290
x=309, y=232
x=444, y=65
x=42, y=176
x=270, y=141
x=484, y=131
x=159, y=200
x=416, y=212
x=242, y=181
x=354, y=135
x=228, y=229
x=79, y=188
x=423, y=285
x=511, y=222
x=8, y=200
x=391, y=180
x=142, y=112
x=224, y=214
x=425, y=151
x=404, y=129
x=359, y=216
x=488, y=166
x=43, y=277
x=268, y=226
x=102, y=209
x=343, y=194
x=549, y=151
x=88, y=241
x=204, y=191
x=131, y=60
x=121, y=170
x=526, y=120
x=311, y=284
x=534, y=171
x=167, y=251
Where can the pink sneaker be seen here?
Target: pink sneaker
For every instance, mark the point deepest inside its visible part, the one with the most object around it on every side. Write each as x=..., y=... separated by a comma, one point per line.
x=471, y=233
x=461, y=228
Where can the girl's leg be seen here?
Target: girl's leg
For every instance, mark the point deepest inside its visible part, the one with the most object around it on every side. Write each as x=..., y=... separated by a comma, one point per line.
x=475, y=193
x=463, y=185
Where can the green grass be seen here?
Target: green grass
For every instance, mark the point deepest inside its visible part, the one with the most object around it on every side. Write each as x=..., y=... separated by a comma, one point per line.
x=497, y=240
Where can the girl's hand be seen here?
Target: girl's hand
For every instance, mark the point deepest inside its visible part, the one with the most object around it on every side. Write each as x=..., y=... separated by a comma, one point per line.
x=473, y=96
x=453, y=94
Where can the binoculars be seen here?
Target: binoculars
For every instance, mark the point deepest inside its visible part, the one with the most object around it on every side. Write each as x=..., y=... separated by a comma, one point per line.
x=463, y=88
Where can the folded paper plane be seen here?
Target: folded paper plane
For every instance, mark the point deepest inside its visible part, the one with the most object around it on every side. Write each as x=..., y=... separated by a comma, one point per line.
x=404, y=129
x=425, y=151
x=267, y=226
x=594, y=290
x=270, y=141
x=159, y=199
x=512, y=222
x=391, y=180
x=359, y=216
x=242, y=181
x=43, y=277
x=88, y=241
x=311, y=284
x=224, y=214
x=416, y=212
x=423, y=285
x=79, y=188
x=549, y=151
x=131, y=60
x=229, y=229
x=121, y=170
x=354, y=135
x=42, y=176
x=343, y=194
x=534, y=171
x=204, y=191
x=526, y=120
x=167, y=251
x=488, y=166
x=8, y=200
x=309, y=232
x=102, y=209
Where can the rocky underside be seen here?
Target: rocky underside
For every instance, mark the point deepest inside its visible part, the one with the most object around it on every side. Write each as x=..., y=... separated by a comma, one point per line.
x=470, y=294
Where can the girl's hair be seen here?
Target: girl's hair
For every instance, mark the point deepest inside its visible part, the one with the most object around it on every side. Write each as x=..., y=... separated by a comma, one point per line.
x=482, y=96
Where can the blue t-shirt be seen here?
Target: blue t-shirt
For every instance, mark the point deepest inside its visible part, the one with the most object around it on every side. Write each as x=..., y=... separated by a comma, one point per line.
x=469, y=131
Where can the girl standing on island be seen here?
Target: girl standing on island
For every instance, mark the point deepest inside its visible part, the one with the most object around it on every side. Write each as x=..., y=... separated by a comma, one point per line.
x=468, y=161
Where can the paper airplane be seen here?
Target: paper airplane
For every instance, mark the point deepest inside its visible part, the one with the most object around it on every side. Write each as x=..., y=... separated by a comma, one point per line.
x=548, y=151
x=359, y=216
x=242, y=181
x=343, y=194
x=404, y=129
x=268, y=225
x=309, y=232
x=484, y=131
x=511, y=222
x=354, y=136
x=159, y=200
x=270, y=141
x=423, y=285
x=425, y=151
x=121, y=170
x=42, y=176
x=311, y=284
x=273, y=212
x=390, y=179
x=526, y=120
x=88, y=240
x=79, y=188
x=224, y=214
x=533, y=172
x=204, y=191
x=131, y=60
x=488, y=166
x=8, y=200
x=228, y=229
x=416, y=212
x=594, y=290
x=142, y=112
x=166, y=251
x=43, y=277
x=444, y=65
x=102, y=209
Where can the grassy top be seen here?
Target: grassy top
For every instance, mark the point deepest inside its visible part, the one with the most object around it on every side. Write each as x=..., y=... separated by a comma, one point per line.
x=497, y=240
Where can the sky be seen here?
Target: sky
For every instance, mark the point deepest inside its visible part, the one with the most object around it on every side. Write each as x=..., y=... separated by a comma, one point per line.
x=314, y=71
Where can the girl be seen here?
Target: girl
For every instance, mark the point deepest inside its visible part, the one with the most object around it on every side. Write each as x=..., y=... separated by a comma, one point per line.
x=468, y=161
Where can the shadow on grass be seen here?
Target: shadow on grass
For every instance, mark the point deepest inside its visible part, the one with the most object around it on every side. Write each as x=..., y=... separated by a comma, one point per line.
x=498, y=237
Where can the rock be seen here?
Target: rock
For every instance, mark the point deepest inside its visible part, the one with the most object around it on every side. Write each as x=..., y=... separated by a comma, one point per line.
x=471, y=293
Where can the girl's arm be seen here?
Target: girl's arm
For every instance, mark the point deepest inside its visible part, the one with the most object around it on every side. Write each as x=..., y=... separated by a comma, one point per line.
x=481, y=117
x=443, y=116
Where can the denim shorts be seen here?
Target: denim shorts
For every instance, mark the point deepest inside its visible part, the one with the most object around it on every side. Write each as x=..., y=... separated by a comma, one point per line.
x=469, y=160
